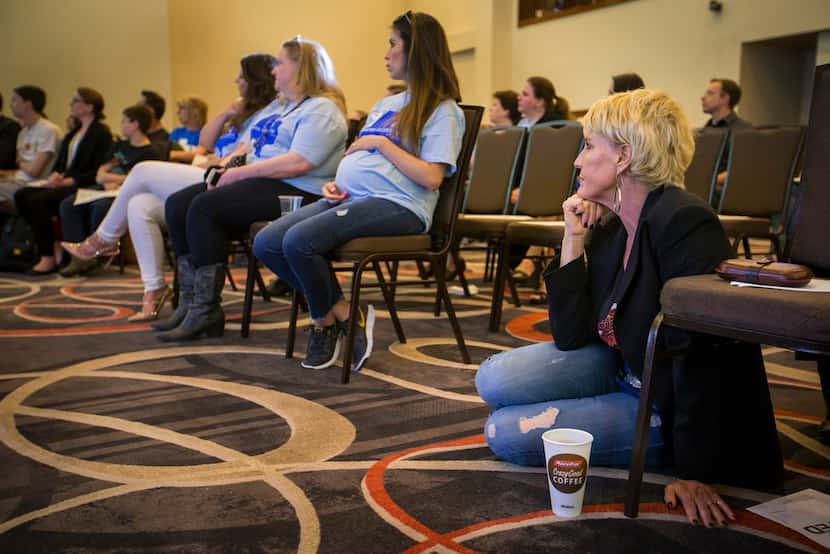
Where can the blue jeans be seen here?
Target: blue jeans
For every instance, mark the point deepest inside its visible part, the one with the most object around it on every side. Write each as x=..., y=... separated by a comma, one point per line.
x=538, y=387
x=295, y=246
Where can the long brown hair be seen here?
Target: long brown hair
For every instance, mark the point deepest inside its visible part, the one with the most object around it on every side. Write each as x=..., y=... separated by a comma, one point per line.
x=93, y=98
x=315, y=70
x=430, y=75
x=256, y=70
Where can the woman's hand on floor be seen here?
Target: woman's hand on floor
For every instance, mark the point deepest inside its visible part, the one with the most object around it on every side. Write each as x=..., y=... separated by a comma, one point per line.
x=700, y=502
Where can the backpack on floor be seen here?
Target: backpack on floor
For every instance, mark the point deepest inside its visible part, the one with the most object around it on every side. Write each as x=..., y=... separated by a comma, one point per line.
x=17, y=245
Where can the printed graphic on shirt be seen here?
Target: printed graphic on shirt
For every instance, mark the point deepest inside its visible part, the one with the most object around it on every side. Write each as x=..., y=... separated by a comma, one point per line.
x=264, y=133
x=382, y=127
x=226, y=142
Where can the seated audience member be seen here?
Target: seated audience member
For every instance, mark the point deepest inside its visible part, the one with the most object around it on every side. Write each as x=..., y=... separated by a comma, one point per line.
x=9, y=129
x=605, y=292
x=625, y=82
x=158, y=135
x=386, y=185
x=37, y=143
x=293, y=152
x=504, y=111
x=77, y=221
x=81, y=152
x=140, y=201
x=192, y=114
x=719, y=102
x=538, y=103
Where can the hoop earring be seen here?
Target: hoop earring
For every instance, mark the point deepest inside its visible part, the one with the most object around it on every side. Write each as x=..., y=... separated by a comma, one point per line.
x=618, y=195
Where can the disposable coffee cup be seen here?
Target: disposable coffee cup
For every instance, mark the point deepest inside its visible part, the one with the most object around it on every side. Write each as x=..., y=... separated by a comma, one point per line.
x=289, y=203
x=567, y=452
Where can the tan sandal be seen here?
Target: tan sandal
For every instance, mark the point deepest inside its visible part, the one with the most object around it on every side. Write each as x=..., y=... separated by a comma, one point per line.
x=151, y=304
x=92, y=247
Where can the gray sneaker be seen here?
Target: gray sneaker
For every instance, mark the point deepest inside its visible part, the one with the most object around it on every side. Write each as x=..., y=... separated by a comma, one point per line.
x=323, y=347
x=363, y=336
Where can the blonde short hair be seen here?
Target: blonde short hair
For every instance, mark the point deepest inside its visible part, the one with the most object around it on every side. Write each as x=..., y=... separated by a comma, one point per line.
x=196, y=108
x=655, y=128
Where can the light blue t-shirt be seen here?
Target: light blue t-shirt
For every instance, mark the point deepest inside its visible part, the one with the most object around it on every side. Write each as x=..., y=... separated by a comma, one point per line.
x=227, y=142
x=315, y=129
x=369, y=174
x=184, y=137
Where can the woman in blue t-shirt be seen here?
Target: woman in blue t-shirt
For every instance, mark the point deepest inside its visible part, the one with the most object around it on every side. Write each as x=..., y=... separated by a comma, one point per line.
x=292, y=152
x=386, y=185
x=192, y=114
x=140, y=201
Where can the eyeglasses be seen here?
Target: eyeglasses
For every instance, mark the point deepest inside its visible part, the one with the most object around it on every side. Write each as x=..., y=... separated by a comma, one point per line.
x=408, y=15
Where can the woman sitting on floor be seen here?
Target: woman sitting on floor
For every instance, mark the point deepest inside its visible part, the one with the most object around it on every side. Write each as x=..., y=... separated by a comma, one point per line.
x=713, y=413
x=293, y=152
x=386, y=185
x=140, y=201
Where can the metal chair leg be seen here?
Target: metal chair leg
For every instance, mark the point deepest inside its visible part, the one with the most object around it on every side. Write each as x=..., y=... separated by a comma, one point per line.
x=292, y=325
x=638, y=449
x=389, y=298
x=456, y=328
x=353, y=306
x=498, y=287
x=247, y=305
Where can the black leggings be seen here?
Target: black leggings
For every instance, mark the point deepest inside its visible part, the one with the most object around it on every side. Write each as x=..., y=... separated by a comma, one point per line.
x=38, y=206
x=201, y=221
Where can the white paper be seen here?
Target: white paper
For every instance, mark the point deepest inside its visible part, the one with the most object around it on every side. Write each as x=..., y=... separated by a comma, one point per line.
x=39, y=183
x=806, y=512
x=85, y=196
x=816, y=285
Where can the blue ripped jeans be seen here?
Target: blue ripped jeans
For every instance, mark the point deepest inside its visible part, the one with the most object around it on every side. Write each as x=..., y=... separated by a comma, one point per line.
x=538, y=387
x=295, y=245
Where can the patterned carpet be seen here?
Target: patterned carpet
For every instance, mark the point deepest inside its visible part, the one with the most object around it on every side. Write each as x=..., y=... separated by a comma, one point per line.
x=113, y=442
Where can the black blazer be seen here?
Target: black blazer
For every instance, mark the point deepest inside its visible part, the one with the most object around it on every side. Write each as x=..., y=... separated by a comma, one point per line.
x=714, y=401
x=91, y=153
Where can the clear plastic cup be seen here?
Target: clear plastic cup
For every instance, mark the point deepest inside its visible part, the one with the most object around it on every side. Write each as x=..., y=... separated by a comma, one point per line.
x=289, y=203
x=567, y=453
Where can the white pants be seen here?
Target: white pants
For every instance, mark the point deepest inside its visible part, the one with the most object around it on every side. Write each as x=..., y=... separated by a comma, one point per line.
x=145, y=214
x=140, y=205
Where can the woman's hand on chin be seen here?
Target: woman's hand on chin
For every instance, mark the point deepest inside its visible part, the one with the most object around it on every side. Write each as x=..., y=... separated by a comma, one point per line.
x=700, y=502
x=580, y=214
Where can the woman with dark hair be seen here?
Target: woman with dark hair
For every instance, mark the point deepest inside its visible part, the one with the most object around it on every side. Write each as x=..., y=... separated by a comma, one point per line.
x=140, y=201
x=625, y=82
x=538, y=103
x=386, y=185
x=293, y=152
x=504, y=111
x=81, y=152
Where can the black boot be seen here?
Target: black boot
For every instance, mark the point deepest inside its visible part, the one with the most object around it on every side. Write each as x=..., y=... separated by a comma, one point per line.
x=205, y=314
x=186, y=274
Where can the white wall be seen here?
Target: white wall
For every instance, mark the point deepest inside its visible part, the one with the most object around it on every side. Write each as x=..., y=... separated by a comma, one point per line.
x=117, y=47
x=675, y=45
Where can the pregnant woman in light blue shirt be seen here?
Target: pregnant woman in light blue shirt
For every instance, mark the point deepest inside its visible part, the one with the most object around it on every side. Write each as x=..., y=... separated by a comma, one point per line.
x=386, y=185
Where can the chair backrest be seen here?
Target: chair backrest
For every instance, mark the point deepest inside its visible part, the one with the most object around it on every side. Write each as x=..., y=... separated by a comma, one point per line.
x=354, y=127
x=810, y=226
x=451, y=191
x=494, y=170
x=548, y=172
x=760, y=171
x=702, y=172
